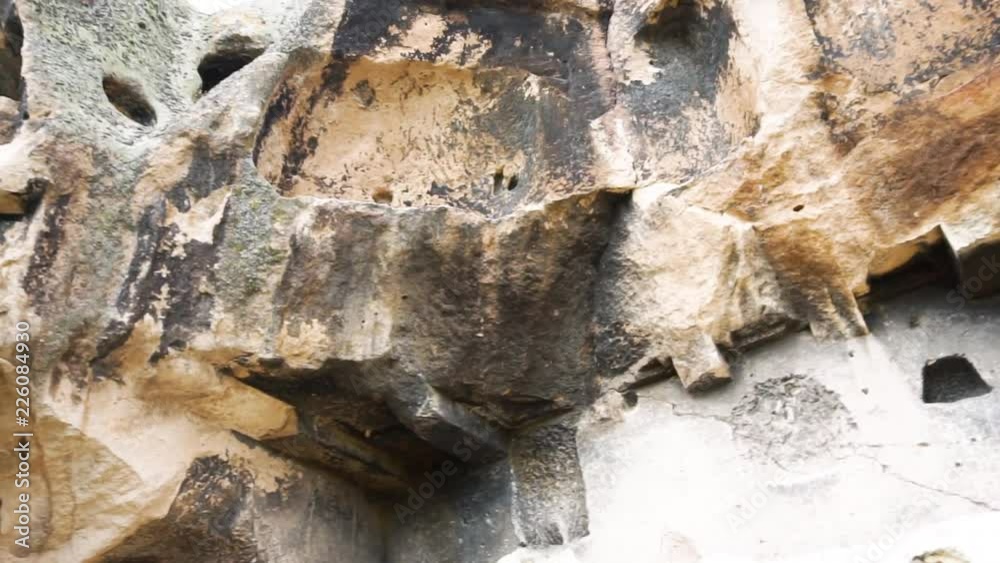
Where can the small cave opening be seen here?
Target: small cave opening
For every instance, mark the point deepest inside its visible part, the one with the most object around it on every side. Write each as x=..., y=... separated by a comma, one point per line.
x=504, y=182
x=218, y=66
x=672, y=24
x=128, y=99
x=11, y=40
x=929, y=261
x=950, y=379
x=345, y=428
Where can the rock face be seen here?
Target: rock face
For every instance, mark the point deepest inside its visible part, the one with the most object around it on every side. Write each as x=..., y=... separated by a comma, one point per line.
x=386, y=281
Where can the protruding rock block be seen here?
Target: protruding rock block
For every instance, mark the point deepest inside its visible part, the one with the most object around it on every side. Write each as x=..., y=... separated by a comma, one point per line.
x=550, y=501
x=23, y=180
x=220, y=399
x=326, y=442
x=449, y=426
x=653, y=289
x=977, y=257
x=698, y=362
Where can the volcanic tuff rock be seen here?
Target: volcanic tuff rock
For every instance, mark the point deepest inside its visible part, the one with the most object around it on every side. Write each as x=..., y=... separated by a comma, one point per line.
x=284, y=260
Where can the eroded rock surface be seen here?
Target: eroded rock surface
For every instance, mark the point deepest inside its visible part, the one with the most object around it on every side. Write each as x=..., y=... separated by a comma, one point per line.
x=323, y=268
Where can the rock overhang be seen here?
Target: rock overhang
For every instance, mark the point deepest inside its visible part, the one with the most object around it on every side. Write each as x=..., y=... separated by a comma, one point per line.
x=486, y=109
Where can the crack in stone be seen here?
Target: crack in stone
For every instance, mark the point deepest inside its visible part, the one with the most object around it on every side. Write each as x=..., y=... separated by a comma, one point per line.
x=686, y=414
x=886, y=469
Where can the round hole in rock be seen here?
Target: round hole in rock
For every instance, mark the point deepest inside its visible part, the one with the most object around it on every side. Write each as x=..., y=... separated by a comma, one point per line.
x=512, y=183
x=631, y=398
x=798, y=208
x=950, y=379
x=127, y=98
x=218, y=66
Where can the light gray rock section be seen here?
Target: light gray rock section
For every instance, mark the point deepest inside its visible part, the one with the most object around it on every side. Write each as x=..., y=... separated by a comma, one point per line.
x=817, y=452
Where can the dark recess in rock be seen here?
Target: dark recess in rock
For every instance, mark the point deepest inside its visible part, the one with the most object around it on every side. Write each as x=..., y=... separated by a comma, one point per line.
x=128, y=99
x=673, y=25
x=11, y=40
x=690, y=44
x=631, y=398
x=512, y=183
x=330, y=403
x=47, y=248
x=769, y=328
x=651, y=372
x=952, y=378
x=211, y=517
x=218, y=66
x=933, y=264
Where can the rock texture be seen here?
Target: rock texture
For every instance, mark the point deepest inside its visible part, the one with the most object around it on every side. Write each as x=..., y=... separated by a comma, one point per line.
x=395, y=280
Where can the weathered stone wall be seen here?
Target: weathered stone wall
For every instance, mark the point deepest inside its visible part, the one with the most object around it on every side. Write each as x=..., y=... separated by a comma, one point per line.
x=470, y=281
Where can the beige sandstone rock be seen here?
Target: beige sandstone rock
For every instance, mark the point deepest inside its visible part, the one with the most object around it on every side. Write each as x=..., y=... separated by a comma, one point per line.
x=284, y=261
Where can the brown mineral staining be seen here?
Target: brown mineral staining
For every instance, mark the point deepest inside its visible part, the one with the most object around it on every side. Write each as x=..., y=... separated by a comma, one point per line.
x=958, y=156
x=382, y=195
